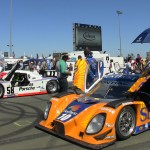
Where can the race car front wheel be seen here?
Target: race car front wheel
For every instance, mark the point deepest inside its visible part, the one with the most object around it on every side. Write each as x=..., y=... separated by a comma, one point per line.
x=1, y=91
x=125, y=124
x=52, y=86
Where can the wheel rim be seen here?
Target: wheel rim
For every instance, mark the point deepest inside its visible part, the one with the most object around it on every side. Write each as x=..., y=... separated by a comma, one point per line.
x=126, y=123
x=52, y=87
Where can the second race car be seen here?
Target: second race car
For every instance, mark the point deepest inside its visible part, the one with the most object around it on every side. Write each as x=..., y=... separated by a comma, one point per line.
x=23, y=83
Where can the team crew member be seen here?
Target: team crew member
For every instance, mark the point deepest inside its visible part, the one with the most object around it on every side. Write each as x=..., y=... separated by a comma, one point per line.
x=93, y=73
x=62, y=72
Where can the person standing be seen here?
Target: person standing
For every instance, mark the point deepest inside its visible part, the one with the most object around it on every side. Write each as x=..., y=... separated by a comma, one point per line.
x=21, y=65
x=79, y=57
x=93, y=72
x=44, y=67
x=147, y=63
x=62, y=72
x=139, y=65
x=38, y=67
x=31, y=66
x=111, y=66
x=51, y=64
x=146, y=70
x=128, y=68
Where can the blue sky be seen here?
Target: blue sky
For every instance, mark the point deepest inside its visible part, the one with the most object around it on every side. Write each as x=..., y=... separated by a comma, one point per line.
x=45, y=26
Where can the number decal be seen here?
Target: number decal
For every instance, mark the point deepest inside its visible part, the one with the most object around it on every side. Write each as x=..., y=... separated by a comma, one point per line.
x=64, y=117
x=10, y=90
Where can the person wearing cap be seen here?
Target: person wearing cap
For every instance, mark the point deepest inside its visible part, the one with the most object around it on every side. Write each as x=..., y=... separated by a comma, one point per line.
x=93, y=73
x=63, y=72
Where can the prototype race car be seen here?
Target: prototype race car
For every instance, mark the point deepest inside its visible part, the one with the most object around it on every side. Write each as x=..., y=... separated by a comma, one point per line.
x=23, y=83
x=114, y=109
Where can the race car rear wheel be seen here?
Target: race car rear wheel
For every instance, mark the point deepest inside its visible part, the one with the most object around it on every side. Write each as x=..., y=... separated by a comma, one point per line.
x=52, y=86
x=125, y=124
x=1, y=91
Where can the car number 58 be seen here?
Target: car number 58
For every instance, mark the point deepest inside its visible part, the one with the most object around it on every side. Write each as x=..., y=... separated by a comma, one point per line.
x=10, y=90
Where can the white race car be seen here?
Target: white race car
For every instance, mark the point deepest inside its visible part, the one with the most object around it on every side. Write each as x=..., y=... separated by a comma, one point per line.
x=23, y=83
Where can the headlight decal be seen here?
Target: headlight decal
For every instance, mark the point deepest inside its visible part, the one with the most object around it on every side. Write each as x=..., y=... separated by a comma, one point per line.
x=96, y=124
x=47, y=108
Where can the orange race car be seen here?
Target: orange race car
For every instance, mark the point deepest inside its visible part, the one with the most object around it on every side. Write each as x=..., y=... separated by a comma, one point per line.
x=112, y=108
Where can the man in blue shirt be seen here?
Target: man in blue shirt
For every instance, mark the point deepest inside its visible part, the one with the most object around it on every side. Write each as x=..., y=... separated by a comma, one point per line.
x=93, y=72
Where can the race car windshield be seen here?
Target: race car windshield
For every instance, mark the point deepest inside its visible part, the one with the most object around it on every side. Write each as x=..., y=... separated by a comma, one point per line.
x=110, y=92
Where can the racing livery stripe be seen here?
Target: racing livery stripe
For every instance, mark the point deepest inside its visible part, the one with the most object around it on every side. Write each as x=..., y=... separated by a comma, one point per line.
x=25, y=94
x=142, y=128
x=33, y=93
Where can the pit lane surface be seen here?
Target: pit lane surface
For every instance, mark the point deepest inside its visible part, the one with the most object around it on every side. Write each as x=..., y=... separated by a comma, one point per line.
x=18, y=117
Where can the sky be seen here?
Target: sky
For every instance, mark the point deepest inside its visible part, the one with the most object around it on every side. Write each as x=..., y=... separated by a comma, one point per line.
x=45, y=26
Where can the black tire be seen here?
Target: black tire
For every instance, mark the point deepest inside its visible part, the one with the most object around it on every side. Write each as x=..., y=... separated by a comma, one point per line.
x=1, y=91
x=52, y=86
x=125, y=123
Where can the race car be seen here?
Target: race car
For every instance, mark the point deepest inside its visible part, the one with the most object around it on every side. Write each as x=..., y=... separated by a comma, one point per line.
x=116, y=108
x=23, y=83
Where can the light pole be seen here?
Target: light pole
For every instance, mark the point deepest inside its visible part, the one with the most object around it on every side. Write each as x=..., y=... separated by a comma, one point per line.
x=10, y=28
x=119, y=13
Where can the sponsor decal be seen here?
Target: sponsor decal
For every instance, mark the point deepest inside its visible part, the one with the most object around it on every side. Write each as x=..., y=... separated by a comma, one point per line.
x=70, y=112
x=30, y=84
x=114, y=83
x=141, y=128
x=145, y=114
x=109, y=125
x=89, y=36
x=146, y=125
x=55, y=99
x=26, y=88
x=122, y=77
x=108, y=109
x=110, y=137
x=41, y=87
x=75, y=107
